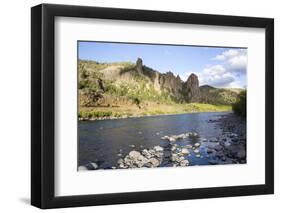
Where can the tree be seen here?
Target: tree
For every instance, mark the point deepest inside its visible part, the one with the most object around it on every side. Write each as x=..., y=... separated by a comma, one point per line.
x=240, y=106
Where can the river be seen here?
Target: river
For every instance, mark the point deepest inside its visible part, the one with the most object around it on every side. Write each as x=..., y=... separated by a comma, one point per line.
x=105, y=141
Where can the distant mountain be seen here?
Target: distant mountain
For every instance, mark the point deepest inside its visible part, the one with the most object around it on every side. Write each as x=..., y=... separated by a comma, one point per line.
x=130, y=83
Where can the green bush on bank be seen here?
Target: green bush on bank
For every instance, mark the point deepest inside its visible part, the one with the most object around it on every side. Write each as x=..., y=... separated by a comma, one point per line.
x=240, y=106
x=96, y=114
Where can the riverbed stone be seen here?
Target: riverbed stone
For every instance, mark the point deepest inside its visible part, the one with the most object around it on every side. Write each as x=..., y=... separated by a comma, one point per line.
x=134, y=154
x=213, y=140
x=188, y=146
x=166, y=137
x=185, y=151
x=174, y=157
x=93, y=165
x=120, y=161
x=172, y=139
x=196, y=151
x=209, y=151
x=241, y=154
x=197, y=144
x=146, y=153
x=184, y=163
x=158, y=149
x=232, y=135
x=82, y=168
x=213, y=162
x=218, y=147
x=154, y=162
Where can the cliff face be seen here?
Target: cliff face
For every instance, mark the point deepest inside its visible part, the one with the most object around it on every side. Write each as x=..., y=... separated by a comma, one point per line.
x=125, y=82
x=171, y=84
x=191, y=89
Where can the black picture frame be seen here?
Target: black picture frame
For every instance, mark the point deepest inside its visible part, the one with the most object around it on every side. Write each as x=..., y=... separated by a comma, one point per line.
x=43, y=102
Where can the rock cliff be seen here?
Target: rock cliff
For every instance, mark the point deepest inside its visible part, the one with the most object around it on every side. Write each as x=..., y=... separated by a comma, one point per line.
x=136, y=82
x=191, y=89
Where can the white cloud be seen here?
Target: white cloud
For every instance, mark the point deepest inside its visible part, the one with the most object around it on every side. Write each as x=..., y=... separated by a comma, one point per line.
x=238, y=62
x=228, y=73
x=234, y=59
x=215, y=70
x=219, y=57
x=216, y=76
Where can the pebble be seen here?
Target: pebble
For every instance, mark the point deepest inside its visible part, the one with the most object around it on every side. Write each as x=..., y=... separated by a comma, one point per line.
x=197, y=144
x=185, y=151
x=213, y=162
x=196, y=151
x=184, y=163
x=82, y=168
x=174, y=138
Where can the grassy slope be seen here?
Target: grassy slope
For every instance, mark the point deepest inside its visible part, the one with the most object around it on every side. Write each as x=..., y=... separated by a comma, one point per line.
x=151, y=108
x=151, y=102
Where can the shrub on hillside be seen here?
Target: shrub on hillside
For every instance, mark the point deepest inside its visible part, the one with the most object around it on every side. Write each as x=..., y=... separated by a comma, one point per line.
x=239, y=106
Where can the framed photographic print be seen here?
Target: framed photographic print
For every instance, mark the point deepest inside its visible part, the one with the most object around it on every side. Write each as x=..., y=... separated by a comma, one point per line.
x=139, y=106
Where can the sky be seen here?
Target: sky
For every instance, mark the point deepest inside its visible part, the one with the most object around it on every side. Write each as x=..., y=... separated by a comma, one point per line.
x=215, y=66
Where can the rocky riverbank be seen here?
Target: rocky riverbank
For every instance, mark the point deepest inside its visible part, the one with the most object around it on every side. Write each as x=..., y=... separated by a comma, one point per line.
x=181, y=150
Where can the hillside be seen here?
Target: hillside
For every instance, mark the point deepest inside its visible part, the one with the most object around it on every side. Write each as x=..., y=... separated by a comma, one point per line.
x=217, y=96
x=117, y=87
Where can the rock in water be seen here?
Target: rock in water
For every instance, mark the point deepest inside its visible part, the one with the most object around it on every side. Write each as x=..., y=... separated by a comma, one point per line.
x=197, y=144
x=93, y=165
x=191, y=89
x=158, y=149
x=213, y=162
x=196, y=151
x=184, y=163
x=154, y=162
x=134, y=154
x=185, y=151
x=82, y=168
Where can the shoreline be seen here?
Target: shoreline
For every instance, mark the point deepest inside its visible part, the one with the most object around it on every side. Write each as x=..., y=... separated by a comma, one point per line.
x=144, y=116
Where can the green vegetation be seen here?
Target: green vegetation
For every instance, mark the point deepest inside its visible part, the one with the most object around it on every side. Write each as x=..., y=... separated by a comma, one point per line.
x=148, y=109
x=218, y=95
x=95, y=114
x=240, y=106
x=114, y=90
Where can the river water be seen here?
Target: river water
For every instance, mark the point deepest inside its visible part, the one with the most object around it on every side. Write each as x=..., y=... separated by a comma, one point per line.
x=104, y=141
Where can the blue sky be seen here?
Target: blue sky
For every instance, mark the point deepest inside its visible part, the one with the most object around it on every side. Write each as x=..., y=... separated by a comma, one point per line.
x=219, y=67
